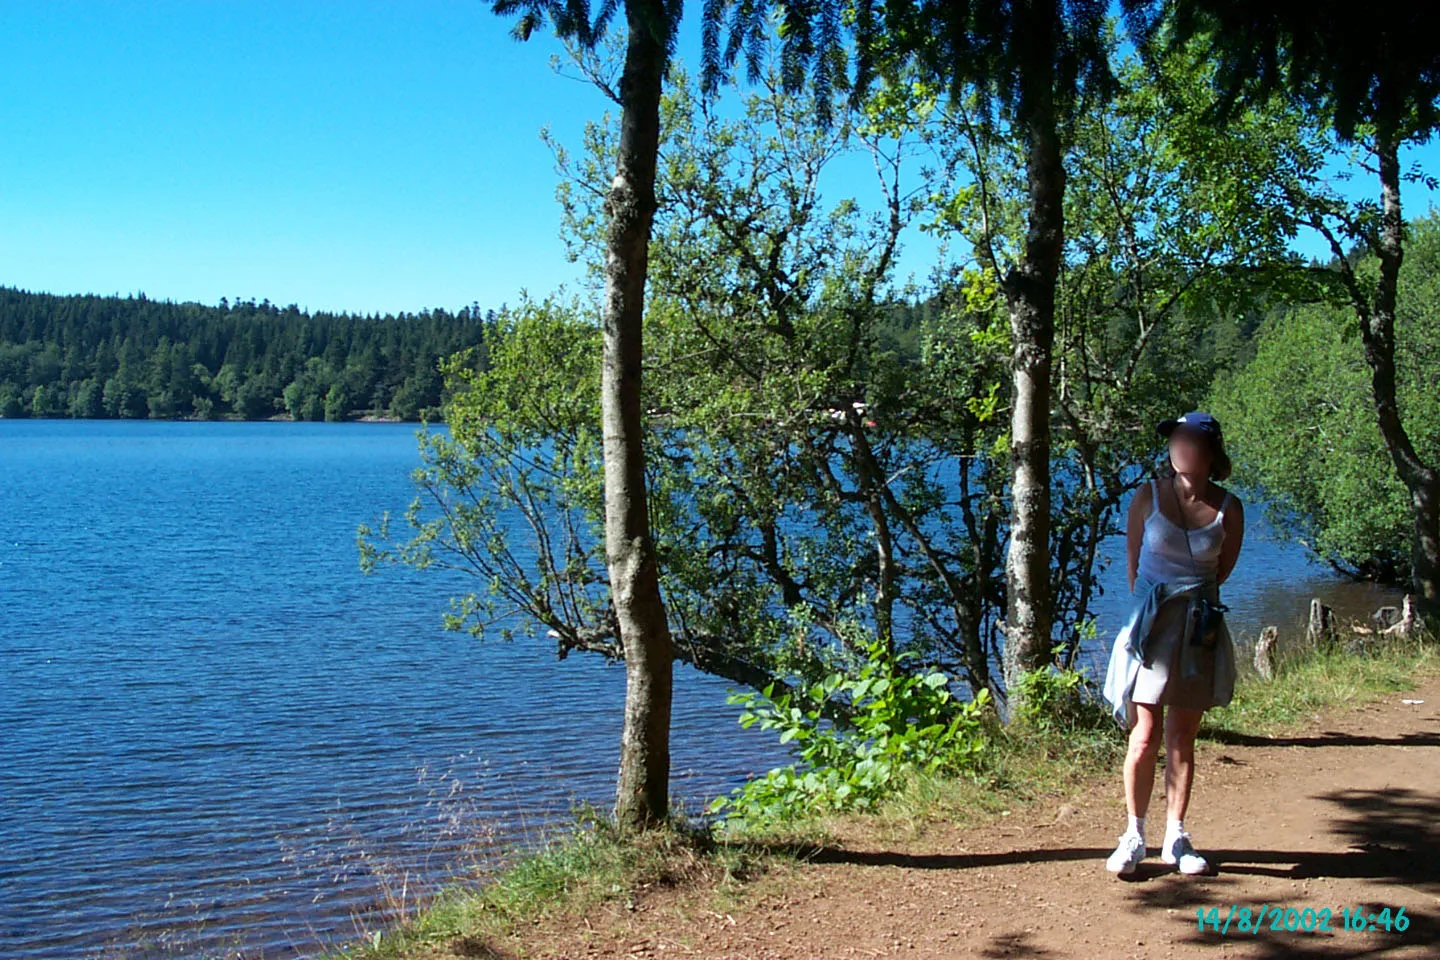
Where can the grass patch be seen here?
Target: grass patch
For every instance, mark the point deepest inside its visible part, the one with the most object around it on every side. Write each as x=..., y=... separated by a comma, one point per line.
x=1024, y=766
x=569, y=875
x=1310, y=677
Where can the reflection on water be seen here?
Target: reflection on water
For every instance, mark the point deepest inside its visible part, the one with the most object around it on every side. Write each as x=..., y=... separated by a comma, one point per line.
x=216, y=730
x=1290, y=610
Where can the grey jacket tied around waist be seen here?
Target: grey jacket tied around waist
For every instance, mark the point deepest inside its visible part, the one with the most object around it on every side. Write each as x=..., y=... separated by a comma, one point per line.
x=1131, y=648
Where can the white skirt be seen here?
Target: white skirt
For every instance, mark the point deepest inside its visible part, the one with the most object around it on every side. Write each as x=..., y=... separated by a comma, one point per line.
x=1161, y=682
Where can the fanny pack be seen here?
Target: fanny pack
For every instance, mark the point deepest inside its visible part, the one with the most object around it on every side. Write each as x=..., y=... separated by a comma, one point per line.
x=1206, y=617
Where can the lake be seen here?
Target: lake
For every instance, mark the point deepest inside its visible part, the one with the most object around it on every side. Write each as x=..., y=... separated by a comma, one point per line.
x=218, y=732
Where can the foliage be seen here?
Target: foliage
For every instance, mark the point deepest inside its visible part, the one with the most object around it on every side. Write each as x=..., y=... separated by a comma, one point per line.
x=1173, y=237
x=1059, y=700
x=521, y=462
x=801, y=453
x=780, y=415
x=899, y=722
x=1377, y=66
x=1300, y=419
x=1004, y=53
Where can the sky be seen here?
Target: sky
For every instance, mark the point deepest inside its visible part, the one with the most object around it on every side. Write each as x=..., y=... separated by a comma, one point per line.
x=344, y=156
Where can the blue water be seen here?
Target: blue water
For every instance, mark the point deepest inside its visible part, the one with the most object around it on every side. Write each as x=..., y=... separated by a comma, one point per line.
x=213, y=726
x=214, y=729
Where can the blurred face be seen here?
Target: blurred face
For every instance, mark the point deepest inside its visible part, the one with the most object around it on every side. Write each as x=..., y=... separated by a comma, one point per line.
x=1190, y=451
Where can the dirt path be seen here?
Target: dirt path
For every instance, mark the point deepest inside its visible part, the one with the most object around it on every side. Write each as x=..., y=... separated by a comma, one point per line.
x=1345, y=816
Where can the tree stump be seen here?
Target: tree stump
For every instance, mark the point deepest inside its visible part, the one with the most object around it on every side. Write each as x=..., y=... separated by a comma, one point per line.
x=1265, y=653
x=1407, y=621
x=1321, y=627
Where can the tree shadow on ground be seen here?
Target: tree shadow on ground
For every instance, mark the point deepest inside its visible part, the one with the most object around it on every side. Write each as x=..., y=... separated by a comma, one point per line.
x=1330, y=738
x=1016, y=945
x=1394, y=838
x=824, y=853
x=479, y=948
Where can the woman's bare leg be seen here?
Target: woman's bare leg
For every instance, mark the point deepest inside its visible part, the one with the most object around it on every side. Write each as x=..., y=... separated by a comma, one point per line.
x=1180, y=728
x=1140, y=757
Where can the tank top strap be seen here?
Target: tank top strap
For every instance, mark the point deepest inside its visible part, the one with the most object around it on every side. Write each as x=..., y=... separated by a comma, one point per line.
x=1154, y=497
x=1225, y=503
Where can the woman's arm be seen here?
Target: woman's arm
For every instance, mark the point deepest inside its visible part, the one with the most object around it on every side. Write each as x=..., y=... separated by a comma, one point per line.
x=1234, y=526
x=1135, y=531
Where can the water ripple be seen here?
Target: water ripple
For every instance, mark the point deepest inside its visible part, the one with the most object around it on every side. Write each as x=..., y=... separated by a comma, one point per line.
x=217, y=731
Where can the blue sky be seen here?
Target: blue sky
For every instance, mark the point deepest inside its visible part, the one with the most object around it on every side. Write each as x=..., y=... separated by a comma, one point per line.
x=339, y=155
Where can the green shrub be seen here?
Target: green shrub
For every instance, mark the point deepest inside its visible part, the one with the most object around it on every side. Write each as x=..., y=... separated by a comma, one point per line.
x=898, y=722
x=1301, y=427
x=1056, y=700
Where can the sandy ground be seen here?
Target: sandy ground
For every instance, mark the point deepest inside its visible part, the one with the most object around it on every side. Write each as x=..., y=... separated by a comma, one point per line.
x=1345, y=816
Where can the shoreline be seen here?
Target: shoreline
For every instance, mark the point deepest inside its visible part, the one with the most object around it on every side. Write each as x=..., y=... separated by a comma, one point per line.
x=773, y=894
x=274, y=418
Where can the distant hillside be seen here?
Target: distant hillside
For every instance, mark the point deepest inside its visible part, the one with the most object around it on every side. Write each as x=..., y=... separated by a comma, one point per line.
x=90, y=356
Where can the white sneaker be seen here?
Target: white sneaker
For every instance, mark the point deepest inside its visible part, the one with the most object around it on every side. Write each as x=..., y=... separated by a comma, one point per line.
x=1127, y=855
x=1177, y=851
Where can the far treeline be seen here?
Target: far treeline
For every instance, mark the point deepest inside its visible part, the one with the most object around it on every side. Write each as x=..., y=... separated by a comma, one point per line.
x=138, y=358
x=112, y=357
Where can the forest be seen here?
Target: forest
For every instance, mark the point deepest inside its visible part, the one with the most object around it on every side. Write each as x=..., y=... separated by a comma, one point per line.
x=135, y=357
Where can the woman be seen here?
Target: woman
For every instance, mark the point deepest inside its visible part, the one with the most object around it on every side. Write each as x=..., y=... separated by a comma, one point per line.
x=1183, y=536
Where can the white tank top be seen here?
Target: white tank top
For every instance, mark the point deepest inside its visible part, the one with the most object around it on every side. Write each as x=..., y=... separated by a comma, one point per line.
x=1163, y=556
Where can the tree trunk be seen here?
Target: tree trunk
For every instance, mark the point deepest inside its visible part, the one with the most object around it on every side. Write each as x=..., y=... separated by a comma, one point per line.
x=642, y=792
x=1425, y=552
x=1378, y=333
x=1030, y=294
x=872, y=483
